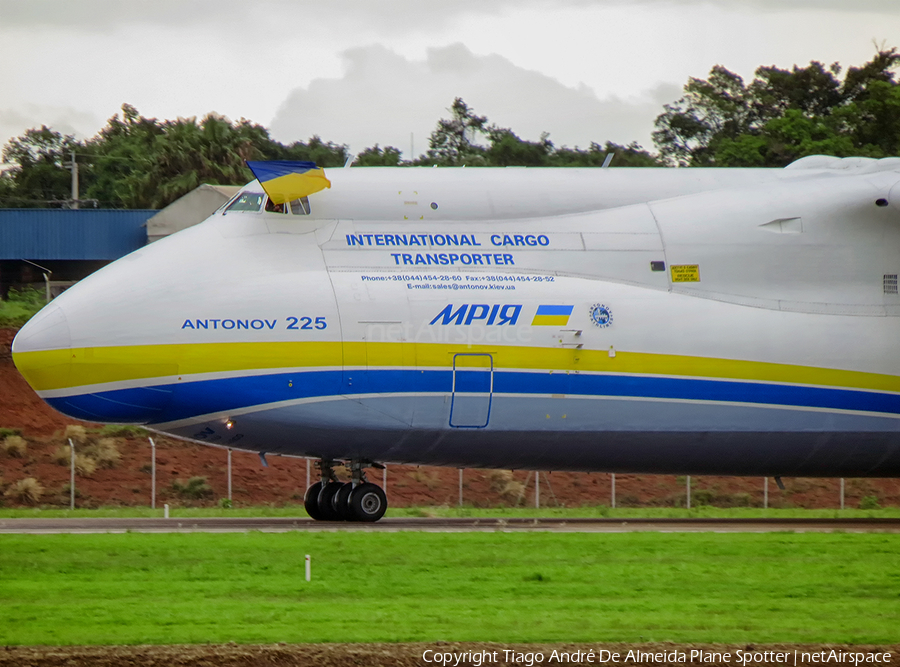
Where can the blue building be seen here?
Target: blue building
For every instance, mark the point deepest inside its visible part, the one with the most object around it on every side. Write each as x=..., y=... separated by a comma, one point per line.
x=69, y=243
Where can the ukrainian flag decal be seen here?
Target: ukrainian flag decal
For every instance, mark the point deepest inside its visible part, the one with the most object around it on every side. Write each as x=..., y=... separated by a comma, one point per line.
x=552, y=316
x=286, y=180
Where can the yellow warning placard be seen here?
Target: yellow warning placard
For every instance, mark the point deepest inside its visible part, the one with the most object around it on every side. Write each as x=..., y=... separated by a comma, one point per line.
x=685, y=273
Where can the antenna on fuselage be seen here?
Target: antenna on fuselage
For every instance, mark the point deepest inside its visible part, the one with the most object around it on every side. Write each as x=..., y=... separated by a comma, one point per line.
x=349, y=161
x=607, y=160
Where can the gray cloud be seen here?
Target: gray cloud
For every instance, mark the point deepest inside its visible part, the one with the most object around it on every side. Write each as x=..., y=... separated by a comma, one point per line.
x=65, y=120
x=268, y=15
x=388, y=14
x=383, y=97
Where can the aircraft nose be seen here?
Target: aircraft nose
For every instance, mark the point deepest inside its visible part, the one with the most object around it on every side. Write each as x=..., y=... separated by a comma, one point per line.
x=88, y=380
x=42, y=349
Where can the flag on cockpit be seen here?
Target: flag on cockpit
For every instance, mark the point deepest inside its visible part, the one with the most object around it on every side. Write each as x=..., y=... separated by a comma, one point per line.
x=286, y=180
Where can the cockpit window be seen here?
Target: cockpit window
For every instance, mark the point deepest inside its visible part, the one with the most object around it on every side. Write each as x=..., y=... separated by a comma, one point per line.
x=247, y=201
x=296, y=207
x=300, y=206
x=227, y=202
x=272, y=207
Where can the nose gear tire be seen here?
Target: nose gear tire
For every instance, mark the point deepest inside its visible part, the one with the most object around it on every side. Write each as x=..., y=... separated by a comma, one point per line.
x=368, y=502
x=311, y=501
x=326, y=505
x=341, y=502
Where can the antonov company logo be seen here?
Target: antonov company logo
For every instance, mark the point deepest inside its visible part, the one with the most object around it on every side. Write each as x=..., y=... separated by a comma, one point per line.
x=601, y=315
x=479, y=312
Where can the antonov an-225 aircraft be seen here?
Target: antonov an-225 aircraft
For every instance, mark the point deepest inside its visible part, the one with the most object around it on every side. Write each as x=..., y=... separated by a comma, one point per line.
x=688, y=321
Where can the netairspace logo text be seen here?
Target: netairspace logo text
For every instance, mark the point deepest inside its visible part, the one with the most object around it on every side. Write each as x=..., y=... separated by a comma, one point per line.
x=603, y=656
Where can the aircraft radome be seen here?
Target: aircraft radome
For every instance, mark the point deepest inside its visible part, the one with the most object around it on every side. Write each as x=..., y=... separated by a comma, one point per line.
x=684, y=321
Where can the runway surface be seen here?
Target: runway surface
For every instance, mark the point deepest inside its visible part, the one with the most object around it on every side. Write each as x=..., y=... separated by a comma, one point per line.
x=578, y=525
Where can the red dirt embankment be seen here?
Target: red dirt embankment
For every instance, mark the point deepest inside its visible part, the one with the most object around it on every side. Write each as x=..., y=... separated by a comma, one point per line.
x=128, y=483
x=408, y=655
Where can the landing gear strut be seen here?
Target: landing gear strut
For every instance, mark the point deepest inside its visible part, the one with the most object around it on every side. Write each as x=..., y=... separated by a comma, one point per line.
x=333, y=500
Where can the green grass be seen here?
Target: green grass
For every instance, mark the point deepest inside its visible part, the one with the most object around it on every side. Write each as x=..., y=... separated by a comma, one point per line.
x=470, y=512
x=601, y=511
x=19, y=307
x=508, y=587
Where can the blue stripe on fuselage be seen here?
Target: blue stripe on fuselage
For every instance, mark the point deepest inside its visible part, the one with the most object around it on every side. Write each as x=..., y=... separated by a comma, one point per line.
x=182, y=400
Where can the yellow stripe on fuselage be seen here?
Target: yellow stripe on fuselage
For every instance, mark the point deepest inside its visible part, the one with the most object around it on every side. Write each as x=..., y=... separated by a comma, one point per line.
x=62, y=369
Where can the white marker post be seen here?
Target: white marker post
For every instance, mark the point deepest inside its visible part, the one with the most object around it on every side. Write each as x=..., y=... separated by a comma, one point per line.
x=765, y=493
x=537, y=490
x=166, y=511
x=308, y=569
x=842, y=493
x=71, y=474
x=384, y=480
x=152, y=474
x=612, y=492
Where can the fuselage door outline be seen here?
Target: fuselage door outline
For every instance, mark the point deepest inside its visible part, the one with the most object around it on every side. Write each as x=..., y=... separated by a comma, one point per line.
x=472, y=392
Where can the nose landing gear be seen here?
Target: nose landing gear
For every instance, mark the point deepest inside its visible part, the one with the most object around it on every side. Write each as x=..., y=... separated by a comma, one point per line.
x=333, y=500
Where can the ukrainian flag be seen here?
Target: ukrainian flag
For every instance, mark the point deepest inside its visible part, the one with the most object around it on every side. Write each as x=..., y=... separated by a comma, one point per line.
x=286, y=180
x=552, y=316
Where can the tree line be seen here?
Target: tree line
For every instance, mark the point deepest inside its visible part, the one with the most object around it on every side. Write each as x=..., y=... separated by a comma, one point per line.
x=781, y=115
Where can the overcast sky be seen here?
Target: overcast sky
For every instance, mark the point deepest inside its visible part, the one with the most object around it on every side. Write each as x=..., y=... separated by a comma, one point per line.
x=363, y=72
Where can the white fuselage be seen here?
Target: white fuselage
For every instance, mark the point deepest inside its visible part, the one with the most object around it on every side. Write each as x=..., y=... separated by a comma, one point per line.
x=736, y=321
